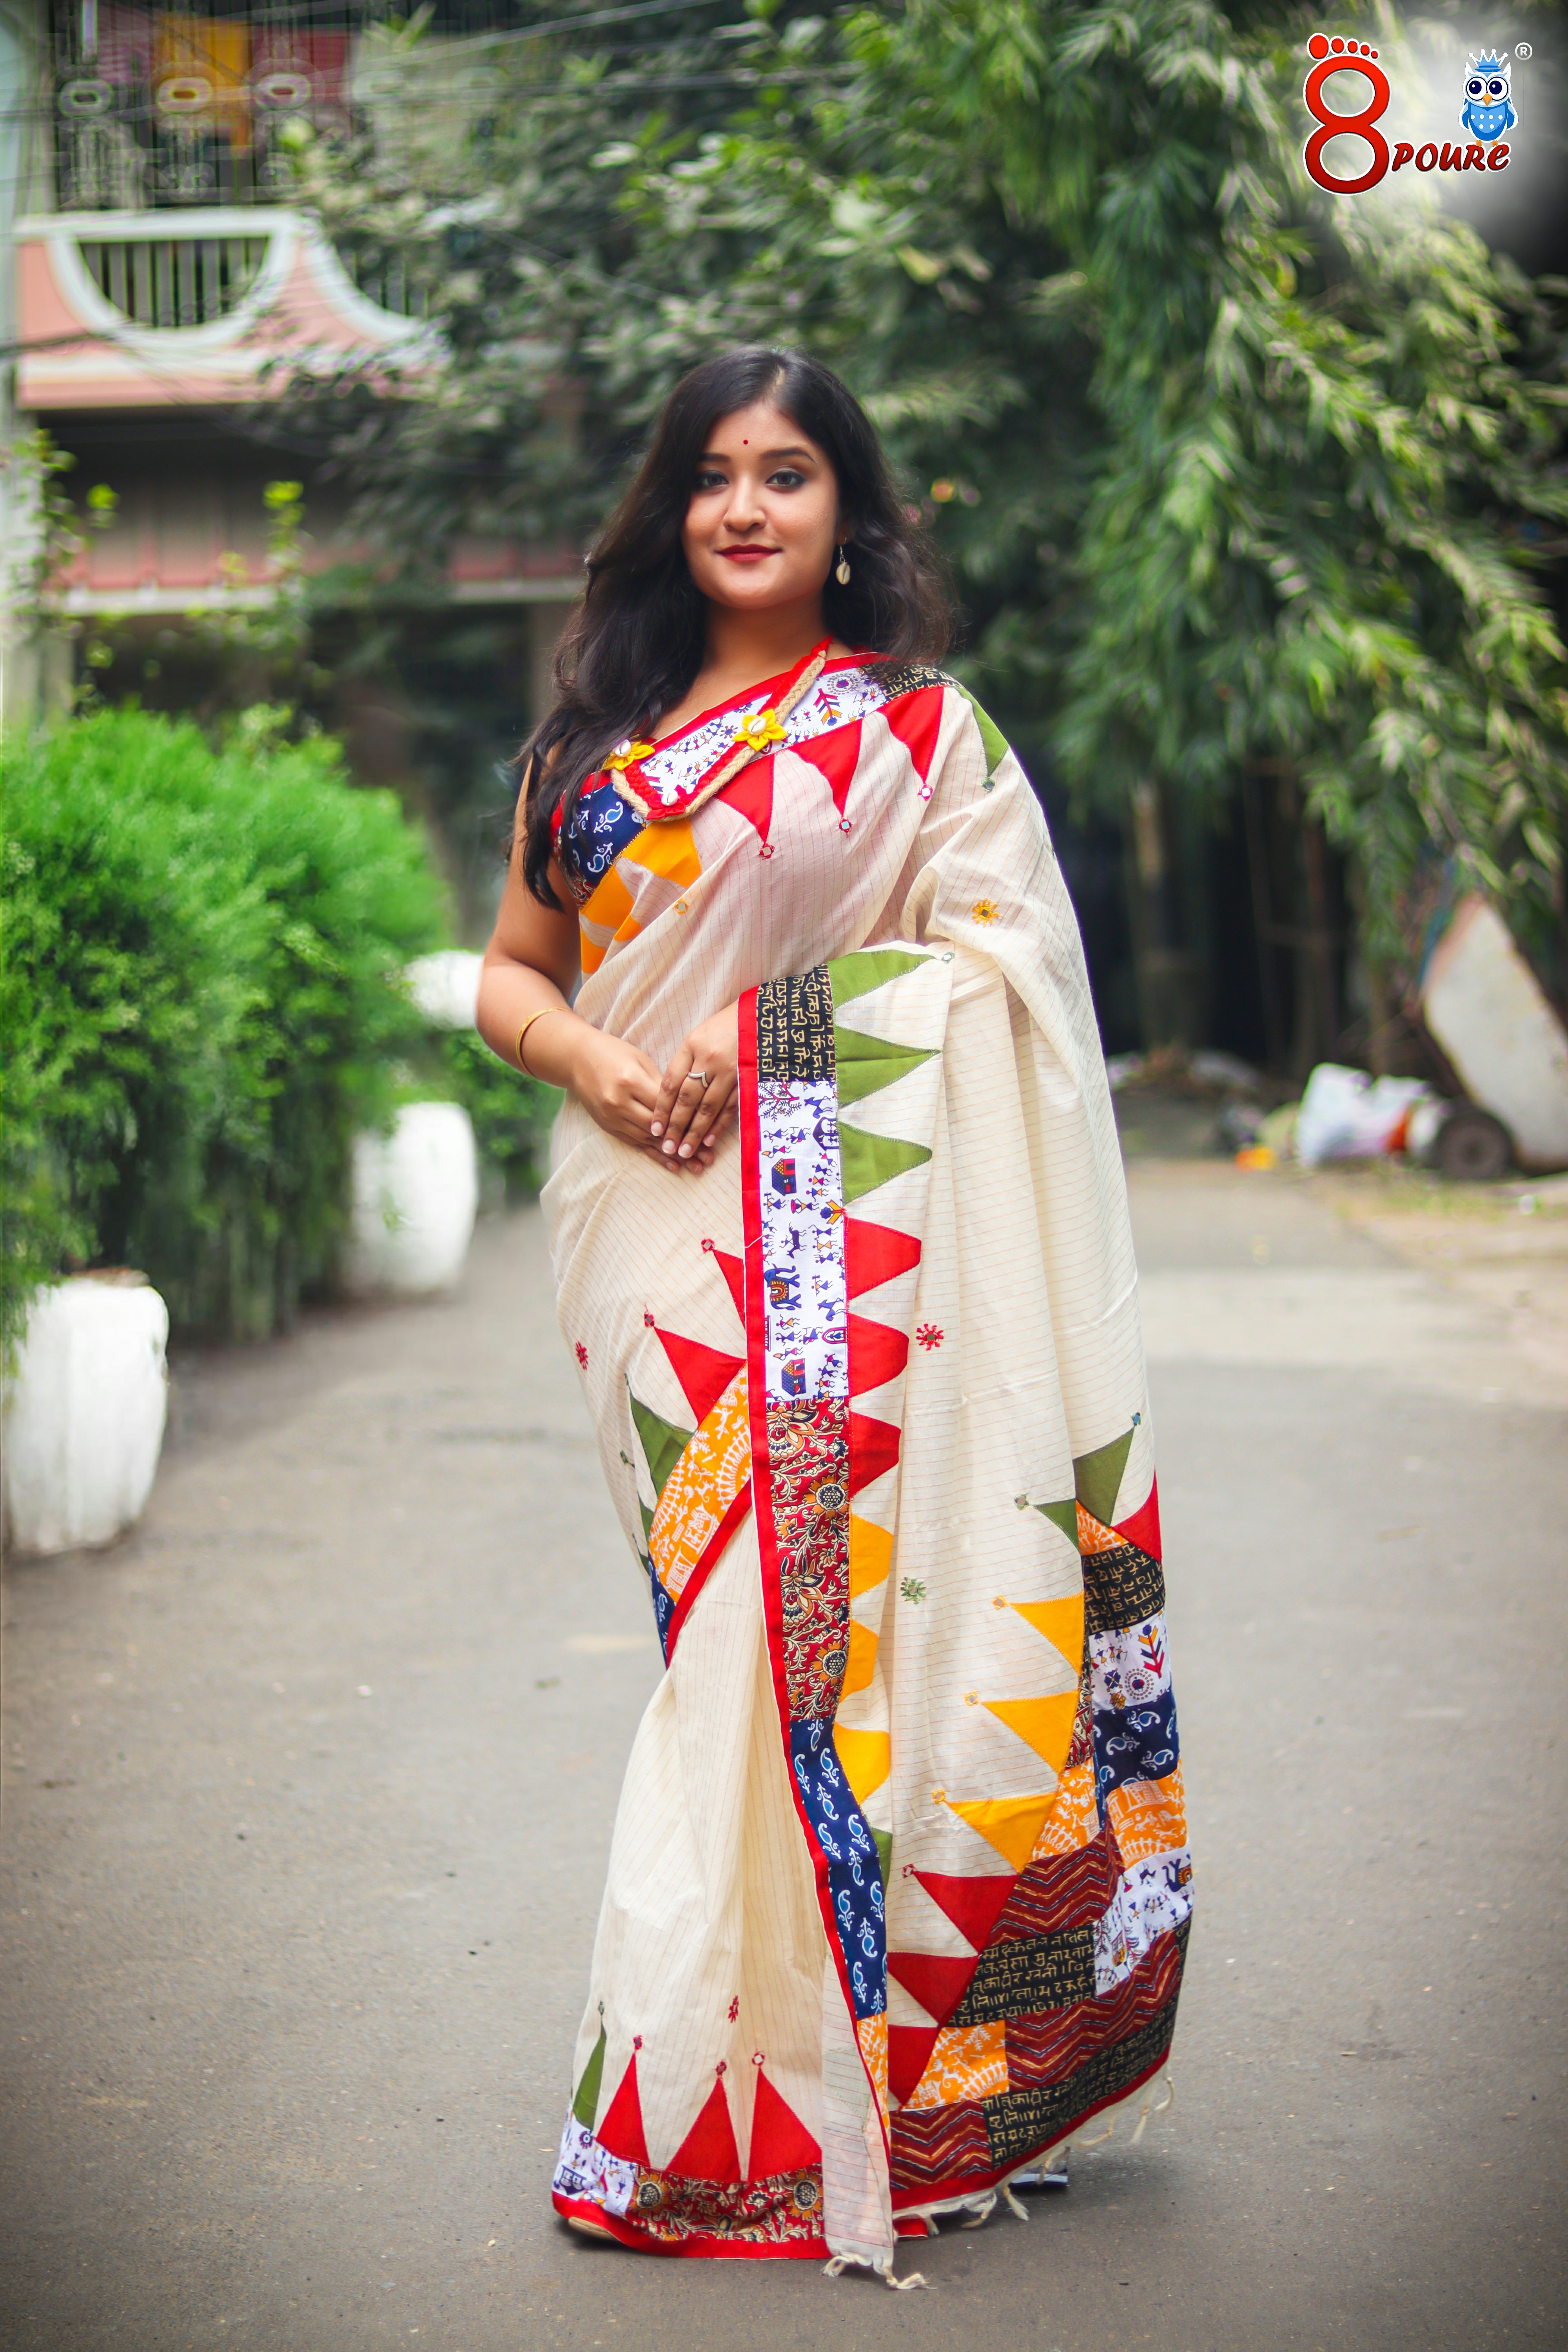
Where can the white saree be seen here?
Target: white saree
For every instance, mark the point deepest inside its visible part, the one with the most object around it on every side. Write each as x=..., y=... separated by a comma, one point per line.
x=898, y=1890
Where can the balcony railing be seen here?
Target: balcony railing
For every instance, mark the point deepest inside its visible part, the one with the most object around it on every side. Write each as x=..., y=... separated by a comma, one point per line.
x=173, y=282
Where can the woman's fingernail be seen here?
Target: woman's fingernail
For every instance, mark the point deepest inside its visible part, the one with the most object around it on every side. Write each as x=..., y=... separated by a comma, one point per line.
x=657, y=1127
x=669, y=1148
x=686, y=1151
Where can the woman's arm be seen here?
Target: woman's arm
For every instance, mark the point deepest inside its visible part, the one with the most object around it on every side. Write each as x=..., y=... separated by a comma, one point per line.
x=530, y=966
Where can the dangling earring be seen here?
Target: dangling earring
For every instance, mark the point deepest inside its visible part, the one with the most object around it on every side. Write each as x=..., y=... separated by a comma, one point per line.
x=841, y=570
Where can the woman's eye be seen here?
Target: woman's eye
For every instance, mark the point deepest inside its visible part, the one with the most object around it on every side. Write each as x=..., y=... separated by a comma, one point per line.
x=708, y=480
x=787, y=478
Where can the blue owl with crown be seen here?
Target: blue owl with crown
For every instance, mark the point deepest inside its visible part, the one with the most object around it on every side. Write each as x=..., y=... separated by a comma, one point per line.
x=1488, y=109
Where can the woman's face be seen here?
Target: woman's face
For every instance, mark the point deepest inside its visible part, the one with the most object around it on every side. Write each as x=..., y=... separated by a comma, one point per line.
x=762, y=523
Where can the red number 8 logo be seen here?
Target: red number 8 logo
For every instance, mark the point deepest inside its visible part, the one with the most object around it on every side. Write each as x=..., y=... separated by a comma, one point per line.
x=1336, y=126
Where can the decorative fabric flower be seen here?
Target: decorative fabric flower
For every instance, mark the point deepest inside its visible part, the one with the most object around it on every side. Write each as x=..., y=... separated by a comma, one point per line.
x=929, y=1335
x=760, y=729
x=624, y=753
x=581, y=1354
x=985, y=910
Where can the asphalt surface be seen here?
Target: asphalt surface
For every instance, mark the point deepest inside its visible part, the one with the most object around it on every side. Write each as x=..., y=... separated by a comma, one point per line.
x=308, y=1788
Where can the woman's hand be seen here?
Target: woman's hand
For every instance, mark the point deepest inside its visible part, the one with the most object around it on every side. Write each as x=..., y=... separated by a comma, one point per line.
x=689, y=1116
x=617, y=1086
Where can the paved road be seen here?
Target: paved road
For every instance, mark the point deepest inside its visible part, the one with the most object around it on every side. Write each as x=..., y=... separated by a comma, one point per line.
x=308, y=1789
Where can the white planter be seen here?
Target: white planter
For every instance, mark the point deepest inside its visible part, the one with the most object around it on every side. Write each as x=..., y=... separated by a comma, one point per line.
x=416, y=1194
x=85, y=1412
x=446, y=987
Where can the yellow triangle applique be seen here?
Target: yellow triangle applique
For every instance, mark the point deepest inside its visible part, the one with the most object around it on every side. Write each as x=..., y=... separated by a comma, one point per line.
x=1044, y=1724
x=862, y=1658
x=1009, y=1823
x=1061, y=1623
x=866, y=1758
x=870, y=1555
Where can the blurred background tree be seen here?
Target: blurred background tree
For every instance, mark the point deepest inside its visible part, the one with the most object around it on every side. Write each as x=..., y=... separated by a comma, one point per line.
x=1247, y=490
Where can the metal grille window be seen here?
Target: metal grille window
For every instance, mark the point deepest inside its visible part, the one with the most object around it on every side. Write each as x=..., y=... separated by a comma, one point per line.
x=173, y=282
x=155, y=107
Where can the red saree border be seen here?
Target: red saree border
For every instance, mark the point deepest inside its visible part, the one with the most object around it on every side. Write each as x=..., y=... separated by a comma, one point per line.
x=762, y=1495
x=797, y=2250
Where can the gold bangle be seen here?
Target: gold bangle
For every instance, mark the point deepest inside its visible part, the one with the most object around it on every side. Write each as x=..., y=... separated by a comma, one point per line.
x=528, y=1025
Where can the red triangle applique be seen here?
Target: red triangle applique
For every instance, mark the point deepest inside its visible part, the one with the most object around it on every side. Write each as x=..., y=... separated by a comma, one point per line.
x=702, y=1372
x=936, y=1983
x=1143, y=1528
x=780, y=2141
x=909, y=2053
x=874, y=1253
x=873, y=1448
x=621, y=2132
x=916, y=720
x=734, y=1273
x=876, y=1353
x=837, y=754
x=752, y=794
x=973, y=1905
x=709, y=2151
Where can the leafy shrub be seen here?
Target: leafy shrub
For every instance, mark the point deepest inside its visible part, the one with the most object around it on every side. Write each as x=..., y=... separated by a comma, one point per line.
x=512, y=1113
x=201, y=1004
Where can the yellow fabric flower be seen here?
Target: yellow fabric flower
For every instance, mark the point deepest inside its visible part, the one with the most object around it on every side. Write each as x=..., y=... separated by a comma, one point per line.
x=985, y=910
x=625, y=752
x=760, y=729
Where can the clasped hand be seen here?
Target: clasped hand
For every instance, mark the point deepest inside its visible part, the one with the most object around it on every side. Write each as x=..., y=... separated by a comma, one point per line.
x=671, y=1114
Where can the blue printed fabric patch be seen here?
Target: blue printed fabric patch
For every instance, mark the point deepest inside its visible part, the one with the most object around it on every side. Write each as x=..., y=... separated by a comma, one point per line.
x=663, y=1608
x=1135, y=1743
x=853, y=1871
x=600, y=826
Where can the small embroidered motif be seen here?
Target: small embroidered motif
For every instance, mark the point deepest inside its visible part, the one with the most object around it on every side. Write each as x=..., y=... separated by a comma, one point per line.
x=844, y=825
x=647, y=1318
x=734, y=2009
x=925, y=791
x=581, y=1354
x=929, y=1335
x=624, y=753
x=912, y=1588
x=985, y=910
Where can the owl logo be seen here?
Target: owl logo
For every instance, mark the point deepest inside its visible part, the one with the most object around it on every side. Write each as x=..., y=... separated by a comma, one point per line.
x=1488, y=111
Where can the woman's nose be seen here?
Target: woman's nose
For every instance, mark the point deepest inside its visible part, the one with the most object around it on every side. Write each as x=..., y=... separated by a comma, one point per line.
x=744, y=510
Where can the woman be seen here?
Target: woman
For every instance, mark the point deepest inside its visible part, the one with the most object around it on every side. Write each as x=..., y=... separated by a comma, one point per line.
x=898, y=1890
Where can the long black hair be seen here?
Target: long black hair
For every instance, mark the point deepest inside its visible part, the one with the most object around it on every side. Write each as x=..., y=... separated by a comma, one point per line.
x=635, y=643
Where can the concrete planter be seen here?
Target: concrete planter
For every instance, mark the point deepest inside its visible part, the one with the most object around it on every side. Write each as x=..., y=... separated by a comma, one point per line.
x=416, y=1194
x=85, y=1413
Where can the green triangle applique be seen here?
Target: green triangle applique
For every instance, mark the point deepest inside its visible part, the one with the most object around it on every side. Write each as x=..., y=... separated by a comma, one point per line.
x=856, y=975
x=662, y=1443
x=1098, y=1477
x=585, y=2103
x=884, y=1851
x=867, y=1065
x=996, y=744
x=1064, y=1516
x=867, y=1161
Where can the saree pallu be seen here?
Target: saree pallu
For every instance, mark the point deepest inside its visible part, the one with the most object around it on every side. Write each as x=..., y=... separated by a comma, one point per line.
x=899, y=1886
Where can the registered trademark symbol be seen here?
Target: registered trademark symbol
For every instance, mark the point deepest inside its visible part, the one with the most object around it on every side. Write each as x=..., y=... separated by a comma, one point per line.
x=1522, y=49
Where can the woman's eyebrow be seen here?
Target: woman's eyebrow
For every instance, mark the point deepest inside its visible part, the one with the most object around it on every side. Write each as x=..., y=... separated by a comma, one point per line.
x=767, y=456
